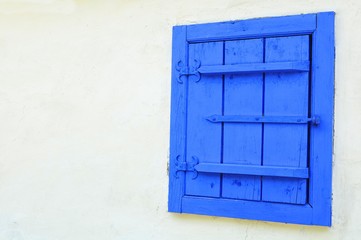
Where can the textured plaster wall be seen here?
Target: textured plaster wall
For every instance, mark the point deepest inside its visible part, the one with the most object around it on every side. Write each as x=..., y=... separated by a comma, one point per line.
x=84, y=120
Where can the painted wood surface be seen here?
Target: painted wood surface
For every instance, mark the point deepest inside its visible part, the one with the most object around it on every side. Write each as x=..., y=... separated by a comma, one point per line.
x=285, y=144
x=203, y=137
x=178, y=121
x=218, y=121
x=242, y=143
x=323, y=56
x=251, y=170
x=256, y=210
x=252, y=28
x=263, y=119
x=296, y=66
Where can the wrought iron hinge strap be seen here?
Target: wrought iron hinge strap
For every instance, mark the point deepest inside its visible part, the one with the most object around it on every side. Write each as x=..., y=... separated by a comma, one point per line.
x=196, y=69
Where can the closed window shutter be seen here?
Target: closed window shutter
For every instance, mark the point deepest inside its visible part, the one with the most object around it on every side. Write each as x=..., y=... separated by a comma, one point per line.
x=246, y=119
x=257, y=94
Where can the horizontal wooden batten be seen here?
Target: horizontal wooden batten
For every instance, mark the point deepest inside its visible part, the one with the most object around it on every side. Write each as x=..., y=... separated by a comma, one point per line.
x=273, y=171
x=301, y=66
x=263, y=119
x=252, y=28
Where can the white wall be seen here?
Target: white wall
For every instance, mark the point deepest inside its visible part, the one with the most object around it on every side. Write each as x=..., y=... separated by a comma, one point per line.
x=84, y=120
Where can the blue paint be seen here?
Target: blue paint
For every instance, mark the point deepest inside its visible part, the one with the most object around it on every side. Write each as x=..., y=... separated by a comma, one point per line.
x=286, y=94
x=292, y=66
x=251, y=170
x=203, y=137
x=263, y=119
x=243, y=95
x=178, y=121
x=250, y=100
x=237, y=182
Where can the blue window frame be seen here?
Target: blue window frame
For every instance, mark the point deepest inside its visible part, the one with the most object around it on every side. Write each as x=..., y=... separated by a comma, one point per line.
x=252, y=119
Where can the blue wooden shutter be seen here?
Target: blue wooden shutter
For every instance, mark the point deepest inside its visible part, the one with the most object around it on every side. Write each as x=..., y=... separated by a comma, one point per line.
x=248, y=116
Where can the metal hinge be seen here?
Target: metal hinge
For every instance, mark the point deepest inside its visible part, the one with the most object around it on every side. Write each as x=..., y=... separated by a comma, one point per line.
x=186, y=166
x=187, y=71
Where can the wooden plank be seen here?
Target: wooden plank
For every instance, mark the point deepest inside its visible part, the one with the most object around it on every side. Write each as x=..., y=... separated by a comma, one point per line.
x=253, y=170
x=286, y=144
x=262, y=119
x=242, y=143
x=255, y=210
x=322, y=104
x=252, y=28
x=203, y=137
x=178, y=121
x=296, y=66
